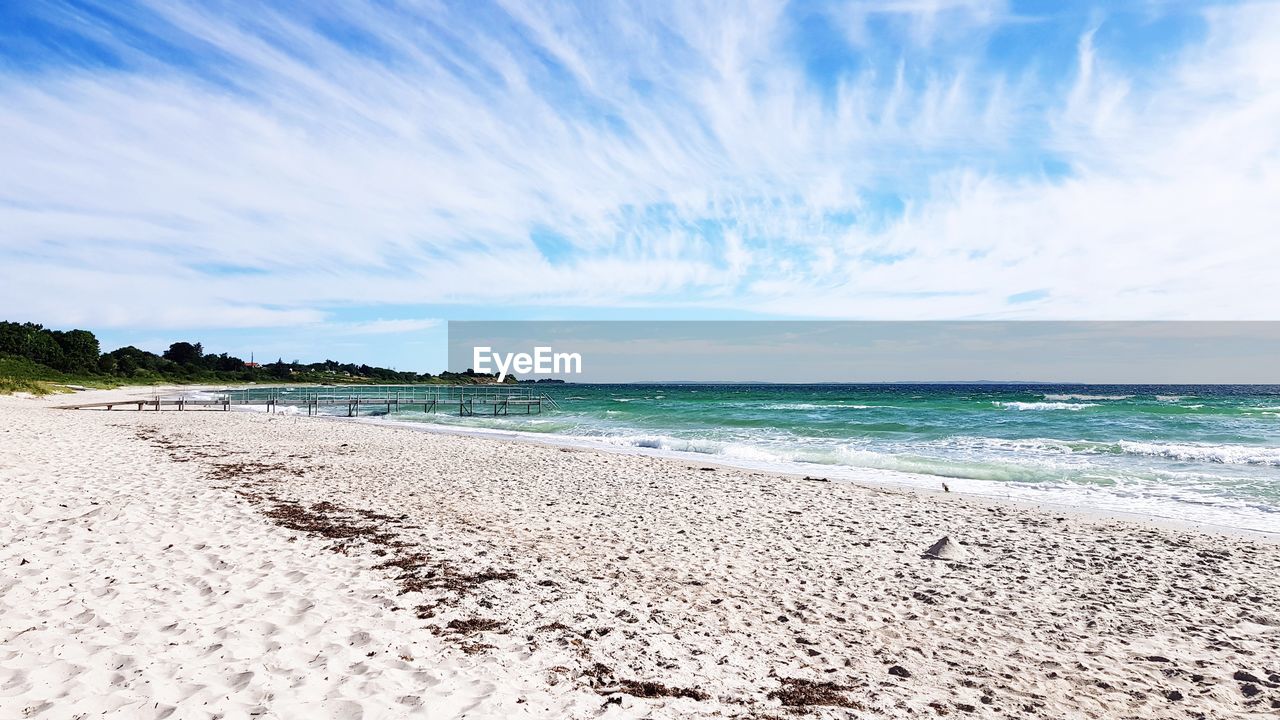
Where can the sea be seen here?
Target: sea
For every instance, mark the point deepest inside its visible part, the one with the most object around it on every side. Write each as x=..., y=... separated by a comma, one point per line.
x=1196, y=454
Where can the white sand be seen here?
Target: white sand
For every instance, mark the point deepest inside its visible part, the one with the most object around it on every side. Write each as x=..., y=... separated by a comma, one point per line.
x=133, y=588
x=155, y=581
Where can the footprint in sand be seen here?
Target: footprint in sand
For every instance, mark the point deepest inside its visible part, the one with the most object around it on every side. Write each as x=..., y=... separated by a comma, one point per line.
x=239, y=681
x=188, y=690
x=331, y=710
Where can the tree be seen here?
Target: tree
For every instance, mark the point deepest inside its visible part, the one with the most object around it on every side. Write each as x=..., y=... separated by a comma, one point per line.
x=79, y=350
x=13, y=338
x=126, y=365
x=279, y=369
x=130, y=359
x=44, y=349
x=184, y=353
x=224, y=363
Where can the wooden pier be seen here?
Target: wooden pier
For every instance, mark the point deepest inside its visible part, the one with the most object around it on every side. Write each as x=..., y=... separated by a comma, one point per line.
x=465, y=400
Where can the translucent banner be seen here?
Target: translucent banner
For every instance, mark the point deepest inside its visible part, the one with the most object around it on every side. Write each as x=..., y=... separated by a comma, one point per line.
x=871, y=352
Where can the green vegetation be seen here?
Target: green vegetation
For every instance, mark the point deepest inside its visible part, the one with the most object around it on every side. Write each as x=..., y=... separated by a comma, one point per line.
x=10, y=385
x=18, y=374
x=38, y=360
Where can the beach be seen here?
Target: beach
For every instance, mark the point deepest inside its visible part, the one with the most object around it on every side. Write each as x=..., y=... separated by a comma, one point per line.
x=204, y=564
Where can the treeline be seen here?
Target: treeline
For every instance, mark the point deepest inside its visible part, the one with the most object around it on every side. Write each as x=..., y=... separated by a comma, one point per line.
x=77, y=354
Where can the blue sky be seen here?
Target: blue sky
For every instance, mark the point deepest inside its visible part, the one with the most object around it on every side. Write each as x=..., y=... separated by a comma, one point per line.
x=319, y=180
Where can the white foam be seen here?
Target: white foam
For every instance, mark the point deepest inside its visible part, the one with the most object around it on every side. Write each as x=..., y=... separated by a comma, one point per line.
x=1039, y=445
x=1016, y=405
x=1227, y=454
x=1075, y=396
x=1196, y=452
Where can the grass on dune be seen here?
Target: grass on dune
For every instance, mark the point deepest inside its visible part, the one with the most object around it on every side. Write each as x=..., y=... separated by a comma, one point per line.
x=22, y=375
x=9, y=385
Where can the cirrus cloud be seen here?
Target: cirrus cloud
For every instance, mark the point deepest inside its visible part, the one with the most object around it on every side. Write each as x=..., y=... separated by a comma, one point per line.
x=175, y=164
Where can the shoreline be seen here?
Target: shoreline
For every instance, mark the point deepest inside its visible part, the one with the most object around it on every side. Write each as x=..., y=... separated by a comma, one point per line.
x=871, y=478
x=529, y=580
x=896, y=480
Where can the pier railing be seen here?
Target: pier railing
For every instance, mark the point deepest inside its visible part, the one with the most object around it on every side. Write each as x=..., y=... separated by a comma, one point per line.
x=354, y=399
x=407, y=393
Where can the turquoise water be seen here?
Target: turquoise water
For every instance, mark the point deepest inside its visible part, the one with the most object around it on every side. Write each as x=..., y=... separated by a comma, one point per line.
x=1204, y=454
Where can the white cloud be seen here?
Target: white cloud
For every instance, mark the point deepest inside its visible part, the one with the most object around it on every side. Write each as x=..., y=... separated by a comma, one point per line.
x=384, y=327
x=307, y=174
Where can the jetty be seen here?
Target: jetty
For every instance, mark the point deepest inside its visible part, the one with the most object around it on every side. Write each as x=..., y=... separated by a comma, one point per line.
x=354, y=400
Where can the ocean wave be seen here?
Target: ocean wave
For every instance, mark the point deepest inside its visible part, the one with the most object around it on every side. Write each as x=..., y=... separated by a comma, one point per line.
x=1195, y=452
x=1022, y=445
x=961, y=469
x=1017, y=405
x=1075, y=396
x=664, y=442
x=1226, y=454
x=847, y=456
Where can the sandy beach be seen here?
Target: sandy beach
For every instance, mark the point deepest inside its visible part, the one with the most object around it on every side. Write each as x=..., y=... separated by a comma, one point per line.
x=227, y=564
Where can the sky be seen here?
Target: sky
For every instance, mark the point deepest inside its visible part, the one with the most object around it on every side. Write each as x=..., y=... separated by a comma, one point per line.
x=339, y=179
